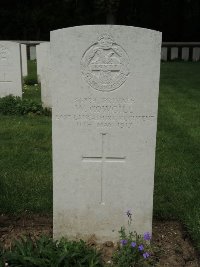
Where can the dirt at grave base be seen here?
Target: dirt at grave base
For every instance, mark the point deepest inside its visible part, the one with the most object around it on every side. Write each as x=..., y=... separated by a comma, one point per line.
x=177, y=250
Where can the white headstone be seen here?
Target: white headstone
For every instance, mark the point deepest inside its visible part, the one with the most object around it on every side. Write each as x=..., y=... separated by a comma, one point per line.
x=185, y=53
x=39, y=62
x=105, y=83
x=10, y=69
x=164, y=53
x=43, y=68
x=33, y=52
x=196, y=54
x=24, y=60
x=174, y=53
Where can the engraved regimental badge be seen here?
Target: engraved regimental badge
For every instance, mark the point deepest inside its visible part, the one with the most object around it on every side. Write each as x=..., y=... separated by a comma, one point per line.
x=104, y=65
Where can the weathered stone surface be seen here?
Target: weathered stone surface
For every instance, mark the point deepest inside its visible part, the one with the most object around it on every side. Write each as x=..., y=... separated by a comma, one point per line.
x=10, y=69
x=164, y=53
x=39, y=62
x=174, y=53
x=196, y=54
x=105, y=83
x=43, y=68
x=24, y=59
x=33, y=55
x=185, y=53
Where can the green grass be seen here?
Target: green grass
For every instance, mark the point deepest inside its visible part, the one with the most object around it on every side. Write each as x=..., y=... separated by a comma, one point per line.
x=26, y=158
x=25, y=166
x=177, y=183
x=31, y=79
x=25, y=154
x=32, y=92
x=32, y=68
x=46, y=252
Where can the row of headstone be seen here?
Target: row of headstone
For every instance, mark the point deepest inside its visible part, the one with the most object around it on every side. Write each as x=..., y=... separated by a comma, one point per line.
x=43, y=53
x=103, y=81
x=13, y=66
x=184, y=53
x=43, y=58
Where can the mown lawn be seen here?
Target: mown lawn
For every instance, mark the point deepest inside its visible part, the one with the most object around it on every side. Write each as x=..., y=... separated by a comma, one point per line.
x=25, y=165
x=25, y=154
x=177, y=183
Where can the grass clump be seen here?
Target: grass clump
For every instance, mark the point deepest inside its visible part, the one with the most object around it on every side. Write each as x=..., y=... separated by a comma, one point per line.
x=32, y=92
x=45, y=252
x=30, y=80
x=13, y=105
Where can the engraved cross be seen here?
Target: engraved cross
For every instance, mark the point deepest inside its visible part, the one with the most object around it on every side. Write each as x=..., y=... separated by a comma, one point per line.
x=103, y=159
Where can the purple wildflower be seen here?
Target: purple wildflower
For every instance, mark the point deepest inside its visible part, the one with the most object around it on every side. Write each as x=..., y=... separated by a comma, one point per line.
x=133, y=244
x=141, y=247
x=124, y=242
x=147, y=236
x=146, y=255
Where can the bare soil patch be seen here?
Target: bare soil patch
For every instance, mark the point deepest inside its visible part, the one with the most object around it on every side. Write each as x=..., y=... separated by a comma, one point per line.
x=176, y=247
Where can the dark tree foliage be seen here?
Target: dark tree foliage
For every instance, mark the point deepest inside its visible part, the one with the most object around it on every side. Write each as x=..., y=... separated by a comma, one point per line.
x=179, y=20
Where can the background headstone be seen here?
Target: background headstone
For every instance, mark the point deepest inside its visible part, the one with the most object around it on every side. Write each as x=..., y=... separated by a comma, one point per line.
x=43, y=68
x=105, y=83
x=174, y=53
x=164, y=53
x=10, y=69
x=39, y=62
x=33, y=52
x=24, y=59
x=196, y=54
x=185, y=53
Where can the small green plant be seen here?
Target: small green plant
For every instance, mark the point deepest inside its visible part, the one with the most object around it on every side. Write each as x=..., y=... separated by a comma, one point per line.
x=30, y=79
x=45, y=252
x=134, y=250
x=11, y=105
